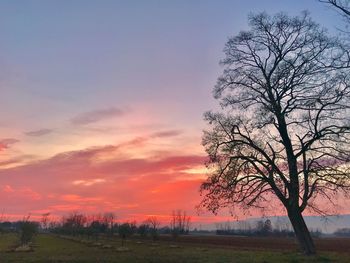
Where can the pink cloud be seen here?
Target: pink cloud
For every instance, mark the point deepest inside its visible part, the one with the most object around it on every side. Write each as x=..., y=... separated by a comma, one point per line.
x=9, y=141
x=13, y=194
x=6, y=143
x=10, y=161
x=17, y=160
x=82, y=181
x=89, y=182
x=78, y=198
x=76, y=181
x=8, y=189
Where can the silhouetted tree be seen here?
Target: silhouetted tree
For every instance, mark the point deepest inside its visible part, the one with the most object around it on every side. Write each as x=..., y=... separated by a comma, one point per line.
x=284, y=130
x=343, y=9
x=180, y=223
x=27, y=230
x=74, y=223
x=2, y=220
x=143, y=229
x=343, y=232
x=95, y=228
x=267, y=229
x=343, y=6
x=125, y=230
x=108, y=220
x=153, y=223
x=45, y=220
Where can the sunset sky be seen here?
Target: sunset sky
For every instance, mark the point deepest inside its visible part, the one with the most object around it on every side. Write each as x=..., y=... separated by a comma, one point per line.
x=101, y=101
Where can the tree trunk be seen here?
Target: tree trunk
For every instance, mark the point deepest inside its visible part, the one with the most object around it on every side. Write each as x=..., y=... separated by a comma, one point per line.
x=301, y=231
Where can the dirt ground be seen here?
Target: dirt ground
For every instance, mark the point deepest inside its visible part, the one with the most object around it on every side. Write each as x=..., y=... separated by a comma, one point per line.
x=333, y=244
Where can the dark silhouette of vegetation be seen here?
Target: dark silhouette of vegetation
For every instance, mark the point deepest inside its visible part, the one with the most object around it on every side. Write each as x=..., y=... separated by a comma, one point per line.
x=27, y=230
x=153, y=224
x=264, y=228
x=180, y=223
x=342, y=232
x=79, y=226
x=260, y=228
x=143, y=230
x=284, y=130
x=6, y=227
x=3, y=226
x=91, y=226
x=45, y=220
x=343, y=6
x=125, y=230
x=74, y=224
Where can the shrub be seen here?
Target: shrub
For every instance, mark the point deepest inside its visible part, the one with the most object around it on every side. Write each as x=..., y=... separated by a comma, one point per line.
x=27, y=231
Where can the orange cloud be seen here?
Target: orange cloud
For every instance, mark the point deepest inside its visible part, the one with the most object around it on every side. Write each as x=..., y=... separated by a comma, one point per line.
x=104, y=178
x=101, y=179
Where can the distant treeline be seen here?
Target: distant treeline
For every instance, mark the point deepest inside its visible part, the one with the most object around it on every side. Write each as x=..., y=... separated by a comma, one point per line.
x=97, y=225
x=15, y=226
x=342, y=232
x=93, y=226
x=260, y=228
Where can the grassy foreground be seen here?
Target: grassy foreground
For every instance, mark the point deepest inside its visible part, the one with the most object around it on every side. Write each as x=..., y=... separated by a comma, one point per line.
x=49, y=248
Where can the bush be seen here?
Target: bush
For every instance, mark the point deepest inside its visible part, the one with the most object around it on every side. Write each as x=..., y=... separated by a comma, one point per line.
x=125, y=230
x=143, y=230
x=27, y=231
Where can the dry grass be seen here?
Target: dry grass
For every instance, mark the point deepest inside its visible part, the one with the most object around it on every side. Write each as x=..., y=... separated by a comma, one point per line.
x=54, y=249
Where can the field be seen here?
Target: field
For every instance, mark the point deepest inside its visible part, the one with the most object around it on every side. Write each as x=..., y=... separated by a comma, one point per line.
x=49, y=248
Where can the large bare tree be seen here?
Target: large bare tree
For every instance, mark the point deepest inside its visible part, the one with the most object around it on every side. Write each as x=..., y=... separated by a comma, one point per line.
x=284, y=128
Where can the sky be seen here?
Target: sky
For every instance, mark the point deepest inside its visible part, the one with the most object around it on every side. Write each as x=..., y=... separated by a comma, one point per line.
x=102, y=101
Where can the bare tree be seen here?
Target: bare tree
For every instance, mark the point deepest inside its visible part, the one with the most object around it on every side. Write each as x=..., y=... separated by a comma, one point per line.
x=108, y=220
x=3, y=218
x=343, y=6
x=343, y=9
x=27, y=230
x=143, y=229
x=180, y=222
x=153, y=223
x=125, y=230
x=74, y=223
x=284, y=129
x=45, y=220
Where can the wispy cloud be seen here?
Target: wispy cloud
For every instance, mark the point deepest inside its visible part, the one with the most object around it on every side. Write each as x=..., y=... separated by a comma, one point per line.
x=9, y=141
x=168, y=133
x=97, y=115
x=17, y=160
x=38, y=133
x=89, y=182
x=10, y=162
x=5, y=143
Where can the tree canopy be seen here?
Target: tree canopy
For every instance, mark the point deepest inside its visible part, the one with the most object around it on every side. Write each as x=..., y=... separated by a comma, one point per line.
x=285, y=125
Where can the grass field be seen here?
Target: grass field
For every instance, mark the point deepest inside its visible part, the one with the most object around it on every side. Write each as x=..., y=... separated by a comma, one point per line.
x=49, y=248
